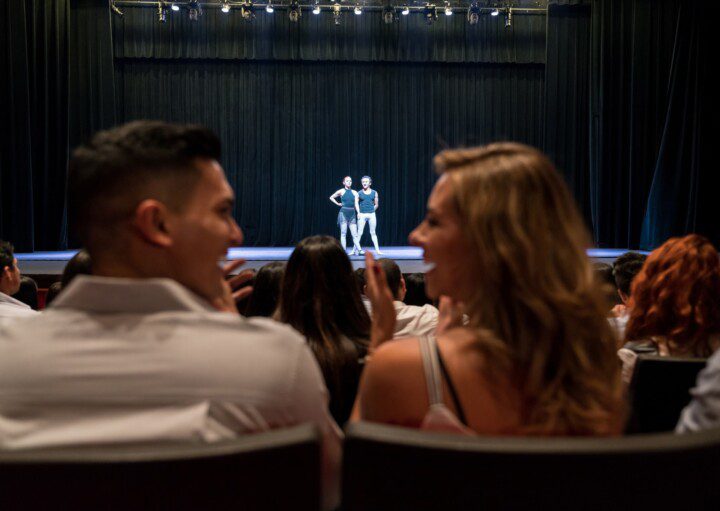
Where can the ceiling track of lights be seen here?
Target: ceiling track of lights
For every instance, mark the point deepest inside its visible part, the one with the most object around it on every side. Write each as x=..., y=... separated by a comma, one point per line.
x=429, y=10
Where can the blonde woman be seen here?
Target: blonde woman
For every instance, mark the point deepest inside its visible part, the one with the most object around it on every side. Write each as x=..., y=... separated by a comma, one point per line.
x=507, y=247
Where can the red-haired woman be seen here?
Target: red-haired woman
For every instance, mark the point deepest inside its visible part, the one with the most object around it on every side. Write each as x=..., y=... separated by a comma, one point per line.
x=675, y=303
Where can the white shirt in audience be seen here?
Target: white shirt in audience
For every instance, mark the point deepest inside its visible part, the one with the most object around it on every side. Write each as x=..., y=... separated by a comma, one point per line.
x=619, y=325
x=411, y=320
x=120, y=360
x=12, y=308
x=414, y=321
x=703, y=412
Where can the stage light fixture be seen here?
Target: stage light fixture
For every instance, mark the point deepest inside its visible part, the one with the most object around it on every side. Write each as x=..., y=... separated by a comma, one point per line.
x=115, y=8
x=508, y=18
x=194, y=10
x=225, y=8
x=448, y=9
x=175, y=7
x=269, y=8
x=388, y=14
x=294, y=12
x=316, y=9
x=495, y=12
x=473, y=14
x=336, y=13
x=430, y=14
x=357, y=10
x=405, y=11
x=161, y=12
x=246, y=11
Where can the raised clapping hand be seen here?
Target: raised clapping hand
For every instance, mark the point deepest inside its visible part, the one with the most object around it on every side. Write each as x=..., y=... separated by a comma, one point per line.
x=232, y=292
x=383, y=310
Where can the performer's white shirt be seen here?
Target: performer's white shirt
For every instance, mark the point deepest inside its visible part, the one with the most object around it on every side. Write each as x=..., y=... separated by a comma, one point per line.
x=123, y=361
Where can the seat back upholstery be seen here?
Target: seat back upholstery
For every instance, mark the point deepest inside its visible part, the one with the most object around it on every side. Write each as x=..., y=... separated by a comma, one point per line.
x=274, y=470
x=391, y=468
x=659, y=390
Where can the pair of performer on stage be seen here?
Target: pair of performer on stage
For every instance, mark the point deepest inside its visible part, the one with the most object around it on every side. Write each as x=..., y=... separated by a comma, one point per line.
x=356, y=210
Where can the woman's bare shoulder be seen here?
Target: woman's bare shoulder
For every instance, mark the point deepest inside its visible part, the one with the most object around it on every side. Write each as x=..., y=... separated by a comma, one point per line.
x=392, y=388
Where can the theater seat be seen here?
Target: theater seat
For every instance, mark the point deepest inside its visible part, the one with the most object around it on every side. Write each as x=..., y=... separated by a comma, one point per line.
x=392, y=468
x=659, y=390
x=275, y=470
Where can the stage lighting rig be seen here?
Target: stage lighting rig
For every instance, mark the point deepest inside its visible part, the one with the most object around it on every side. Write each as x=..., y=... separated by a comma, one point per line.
x=294, y=12
x=388, y=14
x=225, y=7
x=336, y=13
x=115, y=8
x=247, y=11
x=161, y=12
x=357, y=10
x=316, y=8
x=405, y=11
x=430, y=14
x=473, y=14
x=175, y=7
x=508, y=18
x=194, y=10
x=448, y=9
x=269, y=8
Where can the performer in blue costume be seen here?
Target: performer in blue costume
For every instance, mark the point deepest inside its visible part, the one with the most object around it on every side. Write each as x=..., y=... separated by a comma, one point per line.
x=368, y=201
x=348, y=214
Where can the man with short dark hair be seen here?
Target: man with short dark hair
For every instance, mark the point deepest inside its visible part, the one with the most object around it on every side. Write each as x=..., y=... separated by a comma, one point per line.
x=411, y=320
x=624, y=270
x=10, y=284
x=138, y=352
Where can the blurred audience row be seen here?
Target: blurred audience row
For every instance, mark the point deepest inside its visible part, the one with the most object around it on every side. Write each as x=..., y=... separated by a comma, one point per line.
x=511, y=331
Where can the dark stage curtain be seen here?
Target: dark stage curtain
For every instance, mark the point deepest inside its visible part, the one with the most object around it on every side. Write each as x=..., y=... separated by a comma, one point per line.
x=292, y=130
x=683, y=187
x=34, y=122
x=451, y=39
x=92, y=70
x=299, y=106
x=641, y=106
x=567, y=95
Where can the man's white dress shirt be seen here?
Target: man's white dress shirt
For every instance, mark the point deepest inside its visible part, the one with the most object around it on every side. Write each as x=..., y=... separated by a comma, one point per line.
x=121, y=360
x=12, y=308
x=414, y=321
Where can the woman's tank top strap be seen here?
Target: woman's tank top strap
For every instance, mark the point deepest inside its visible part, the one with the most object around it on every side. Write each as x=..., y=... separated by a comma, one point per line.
x=451, y=387
x=431, y=365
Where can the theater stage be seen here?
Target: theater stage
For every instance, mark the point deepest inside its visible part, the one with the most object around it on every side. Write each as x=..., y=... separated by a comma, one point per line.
x=408, y=258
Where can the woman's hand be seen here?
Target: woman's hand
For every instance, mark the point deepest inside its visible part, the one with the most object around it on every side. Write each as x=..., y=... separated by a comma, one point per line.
x=232, y=290
x=383, y=310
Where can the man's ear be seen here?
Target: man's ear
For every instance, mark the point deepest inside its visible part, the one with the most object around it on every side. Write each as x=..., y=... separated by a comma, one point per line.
x=150, y=220
x=403, y=288
x=623, y=296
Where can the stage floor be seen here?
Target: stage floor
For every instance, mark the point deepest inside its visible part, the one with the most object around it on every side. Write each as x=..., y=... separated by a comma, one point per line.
x=408, y=258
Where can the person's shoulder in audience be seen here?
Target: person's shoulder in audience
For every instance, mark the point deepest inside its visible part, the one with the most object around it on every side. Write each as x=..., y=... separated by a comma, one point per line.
x=703, y=412
x=10, y=284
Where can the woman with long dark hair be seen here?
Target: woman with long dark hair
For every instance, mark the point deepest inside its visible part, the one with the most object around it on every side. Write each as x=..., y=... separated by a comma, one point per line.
x=320, y=298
